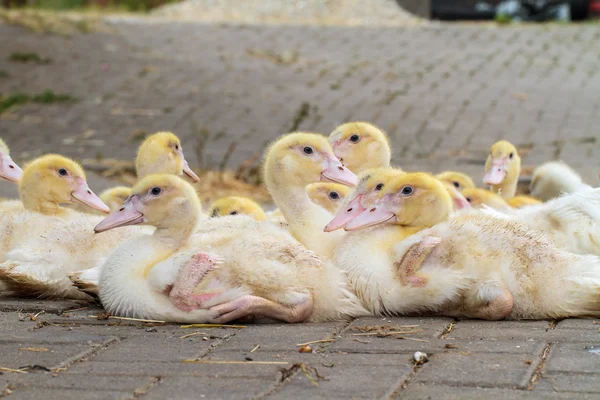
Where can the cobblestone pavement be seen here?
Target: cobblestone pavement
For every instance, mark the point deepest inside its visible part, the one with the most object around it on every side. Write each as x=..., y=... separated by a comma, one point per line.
x=93, y=359
x=444, y=93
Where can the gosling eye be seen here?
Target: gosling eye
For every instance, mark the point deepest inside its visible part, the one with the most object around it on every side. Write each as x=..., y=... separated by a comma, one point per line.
x=511, y=155
x=233, y=213
x=407, y=190
x=379, y=187
x=334, y=195
x=176, y=146
x=308, y=150
x=456, y=185
x=62, y=172
x=155, y=191
x=354, y=138
x=468, y=199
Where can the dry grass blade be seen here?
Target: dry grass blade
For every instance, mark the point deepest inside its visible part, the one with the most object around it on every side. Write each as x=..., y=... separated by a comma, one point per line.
x=306, y=370
x=192, y=334
x=256, y=348
x=213, y=326
x=413, y=339
x=17, y=371
x=35, y=349
x=384, y=334
x=316, y=341
x=128, y=319
x=236, y=362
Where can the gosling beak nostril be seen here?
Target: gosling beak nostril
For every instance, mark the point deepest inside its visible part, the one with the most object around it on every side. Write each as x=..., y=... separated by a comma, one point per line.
x=349, y=210
x=341, y=168
x=122, y=209
x=372, y=209
x=11, y=166
x=89, y=192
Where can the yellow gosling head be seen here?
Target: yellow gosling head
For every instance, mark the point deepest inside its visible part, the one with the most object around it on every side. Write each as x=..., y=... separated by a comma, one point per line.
x=327, y=195
x=502, y=168
x=115, y=196
x=162, y=200
x=9, y=170
x=459, y=202
x=161, y=153
x=299, y=159
x=52, y=179
x=371, y=183
x=413, y=199
x=522, y=201
x=457, y=179
x=361, y=146
x=234, y=205
x=480, y=197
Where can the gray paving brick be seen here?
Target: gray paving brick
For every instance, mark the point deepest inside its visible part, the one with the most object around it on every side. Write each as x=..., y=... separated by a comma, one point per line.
x=480, y=369
x=422, y=391
x=574, y=357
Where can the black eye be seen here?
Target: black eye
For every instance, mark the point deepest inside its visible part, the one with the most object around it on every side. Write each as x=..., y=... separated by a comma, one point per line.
x=176, y=147
x=308, y=150
x=155, y=191
x=406, y=190
x=233, y=213
x=62, y=172
x=334, y=195
x=468, y=199
x=456, y=185
x=379, y=187
x=511, y=156
x=354, y=138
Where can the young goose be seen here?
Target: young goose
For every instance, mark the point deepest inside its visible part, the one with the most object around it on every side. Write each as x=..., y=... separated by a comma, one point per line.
x=370, y=184
x=115, y=196
x=8, y=169
x=478, y=198
x=234, y=205
x=360, y=146
x=474, y=265
x=159, y=153
x=459, y=180
x=293, y=162
x=112, y=197
x=162, y=153
x=555, y=178
x=502, y=170
x=40, y=241
x=327, y=195
x=229, y=268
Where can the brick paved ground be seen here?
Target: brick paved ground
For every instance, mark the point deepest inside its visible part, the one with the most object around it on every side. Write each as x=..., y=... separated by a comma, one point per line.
x=443, y=93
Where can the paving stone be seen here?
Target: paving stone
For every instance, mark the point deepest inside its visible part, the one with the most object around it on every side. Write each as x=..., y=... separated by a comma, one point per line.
x=35, y=306
x=184, y=387
x=574, y=357
x=569, y=383
x=274, y=337
x=480, y=369
x=61, y=394
x=423, y=391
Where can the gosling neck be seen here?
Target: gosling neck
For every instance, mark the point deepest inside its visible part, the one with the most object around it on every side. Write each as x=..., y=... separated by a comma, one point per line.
x=507, y=189
x=175, y=230
x=306, y=219
x=39, y=204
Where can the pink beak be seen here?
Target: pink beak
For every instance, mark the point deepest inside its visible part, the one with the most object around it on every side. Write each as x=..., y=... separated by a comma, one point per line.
x=9, y=170
x=496, y=174
x=126, y=215
x=378, y=214
x=335, y=172
x=187, y=170
x=460, y=202
x=84, y=195
x=352, y=210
